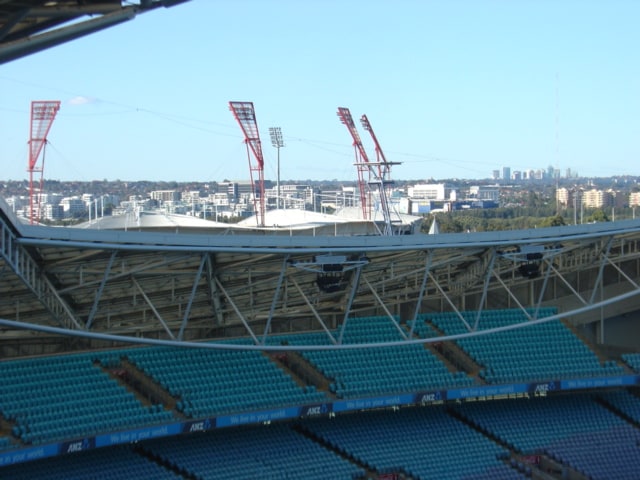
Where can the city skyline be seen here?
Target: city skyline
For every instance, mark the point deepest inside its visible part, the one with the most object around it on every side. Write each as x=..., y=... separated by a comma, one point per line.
x=456, y=91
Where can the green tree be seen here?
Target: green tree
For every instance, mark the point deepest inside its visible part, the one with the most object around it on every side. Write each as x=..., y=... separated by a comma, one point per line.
x=555, y=221
x=598, y=216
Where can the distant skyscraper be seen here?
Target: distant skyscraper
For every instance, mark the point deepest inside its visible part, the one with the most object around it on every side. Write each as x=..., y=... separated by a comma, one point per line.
x=496, y=174
x=506, y=173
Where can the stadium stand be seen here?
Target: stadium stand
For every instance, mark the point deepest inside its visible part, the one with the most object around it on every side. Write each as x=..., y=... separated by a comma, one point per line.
x=623, y=402
x=80, y=395
x=472, y=441
x=363, y=372
x=5, y=443
x=40, y=395
x=546, y=352
x=221, y=381
x=115, y=463
x=633, y=360
x=574, y=430
x=419, y=443
x=528, y=426
x=54, y=405
x=273, y=452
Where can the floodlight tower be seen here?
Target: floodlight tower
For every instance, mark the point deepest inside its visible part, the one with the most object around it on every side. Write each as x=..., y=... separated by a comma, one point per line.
x=42, y=115
x=384, y=175
x=278, y=143
x=362, y=161
x=245, y=115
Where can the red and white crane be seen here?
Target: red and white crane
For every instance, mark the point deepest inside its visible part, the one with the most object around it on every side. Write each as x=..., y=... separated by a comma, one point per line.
x=370, y=174
x=43, y=112
x=245, y=115
x=362, y=162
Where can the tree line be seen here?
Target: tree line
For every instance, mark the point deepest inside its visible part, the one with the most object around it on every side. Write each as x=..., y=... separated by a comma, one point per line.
x=516, y=218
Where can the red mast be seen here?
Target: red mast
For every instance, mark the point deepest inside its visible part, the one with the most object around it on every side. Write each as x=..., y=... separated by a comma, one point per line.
x=245, y=115
x=42, y=115
x=384, y=167
x=362, y=161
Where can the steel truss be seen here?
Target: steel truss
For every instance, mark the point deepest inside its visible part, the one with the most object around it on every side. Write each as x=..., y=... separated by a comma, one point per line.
x=30, y=27
x=182, y=289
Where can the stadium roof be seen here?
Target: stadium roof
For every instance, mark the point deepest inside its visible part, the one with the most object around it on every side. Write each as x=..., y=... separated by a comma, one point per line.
x=184, y=286
x=29, y=26
x=277, y=222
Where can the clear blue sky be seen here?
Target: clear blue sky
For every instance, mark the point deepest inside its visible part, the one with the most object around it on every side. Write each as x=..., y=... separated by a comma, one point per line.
x=453, y=89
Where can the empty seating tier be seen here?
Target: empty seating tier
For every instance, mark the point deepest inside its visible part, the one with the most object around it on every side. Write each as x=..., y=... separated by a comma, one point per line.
x=214, y=382
x=540, y=352
x=54, y=398
x=376, y=371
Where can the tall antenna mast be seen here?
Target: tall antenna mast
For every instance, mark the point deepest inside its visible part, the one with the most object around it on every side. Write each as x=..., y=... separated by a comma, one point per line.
x=42, y=115
x=245, y=115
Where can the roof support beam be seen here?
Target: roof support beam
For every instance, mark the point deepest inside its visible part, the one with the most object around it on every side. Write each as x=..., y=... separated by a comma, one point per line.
x=603, y=256
x=27, y=46
x=297, y=348
x=127, y=272
x=194, y=289
x=403, y=334
x=567, y=284
x=354, y=288
x=315, y=312
x=238, y=312
x=213, y=289
x=30, y=273
x=543, y=290
x=450, y=302
x=621, y=272
x=485, y=288
x=94, y=307
x=153, y=309
x=511, y=294
x=423, y=288
x=12, y=22
x=276, y=295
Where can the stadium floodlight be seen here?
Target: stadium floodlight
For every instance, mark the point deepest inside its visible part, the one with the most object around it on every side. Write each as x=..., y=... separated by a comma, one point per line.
x=278, y=143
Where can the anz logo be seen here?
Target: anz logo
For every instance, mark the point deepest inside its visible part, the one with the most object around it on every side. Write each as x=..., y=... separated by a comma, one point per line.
x=542, y=389
x=430, y=397
x=197, y=427
x=200, y=426
x=77, y=446
x=316, y=410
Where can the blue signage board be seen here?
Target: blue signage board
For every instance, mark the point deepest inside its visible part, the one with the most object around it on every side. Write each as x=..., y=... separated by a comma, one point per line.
x=487, y=391
x=257, y=417
x=138, y=434
x=29, y=454
x=373, y=402
x=599, y=382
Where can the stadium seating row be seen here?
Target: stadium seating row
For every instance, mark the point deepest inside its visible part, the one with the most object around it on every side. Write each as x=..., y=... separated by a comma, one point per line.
x=223, y=381
x=231, y=381
x=68, y=387
x=368, y=372
x=539, y=352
